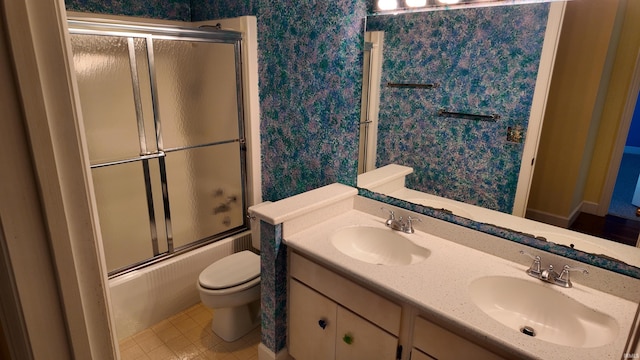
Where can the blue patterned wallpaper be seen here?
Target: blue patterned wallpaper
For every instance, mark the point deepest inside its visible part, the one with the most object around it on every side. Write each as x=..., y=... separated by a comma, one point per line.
x=156, y=9
x=310, y=61
x=216, y=9
x=273, y=287
x=485, y=64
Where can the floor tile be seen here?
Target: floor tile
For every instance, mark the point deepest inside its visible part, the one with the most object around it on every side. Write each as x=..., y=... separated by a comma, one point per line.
x=188, y=336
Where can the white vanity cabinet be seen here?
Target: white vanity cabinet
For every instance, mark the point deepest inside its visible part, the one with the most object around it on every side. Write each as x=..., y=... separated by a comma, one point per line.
x=331, y=317
x=431, y=341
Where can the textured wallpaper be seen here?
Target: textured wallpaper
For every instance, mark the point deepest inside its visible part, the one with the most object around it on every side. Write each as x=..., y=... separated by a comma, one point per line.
x=486, y=62
x=215, y=9
x=156, y=9
x=310, y=61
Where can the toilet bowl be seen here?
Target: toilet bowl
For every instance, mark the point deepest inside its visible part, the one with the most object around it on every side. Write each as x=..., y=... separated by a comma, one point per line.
x=231, y=287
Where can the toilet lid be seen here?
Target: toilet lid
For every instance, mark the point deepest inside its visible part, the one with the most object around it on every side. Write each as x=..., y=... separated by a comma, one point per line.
x=231, y=270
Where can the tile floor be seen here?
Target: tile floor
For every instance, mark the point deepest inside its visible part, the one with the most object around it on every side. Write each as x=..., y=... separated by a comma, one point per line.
x=188, y=336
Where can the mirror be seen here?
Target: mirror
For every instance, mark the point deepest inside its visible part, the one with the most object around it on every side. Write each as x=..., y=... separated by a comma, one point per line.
x=452, y=115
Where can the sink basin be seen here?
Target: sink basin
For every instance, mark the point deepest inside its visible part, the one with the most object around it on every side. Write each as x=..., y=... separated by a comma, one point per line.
x=437, y=204
x=378, y=246
x=547, y=314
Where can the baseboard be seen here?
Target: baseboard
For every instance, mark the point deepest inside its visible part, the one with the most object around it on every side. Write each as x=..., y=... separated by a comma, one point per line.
x=265, y=353
x=548, y=218
x=563, y=221
x=590, y=208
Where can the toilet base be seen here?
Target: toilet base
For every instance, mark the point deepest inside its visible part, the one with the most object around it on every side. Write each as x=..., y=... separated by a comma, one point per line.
x=232, y=323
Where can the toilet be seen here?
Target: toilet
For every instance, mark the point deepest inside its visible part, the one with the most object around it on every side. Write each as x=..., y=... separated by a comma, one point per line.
x=231, y=287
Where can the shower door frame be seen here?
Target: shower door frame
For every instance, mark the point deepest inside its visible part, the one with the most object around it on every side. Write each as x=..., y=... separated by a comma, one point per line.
x=205, y=33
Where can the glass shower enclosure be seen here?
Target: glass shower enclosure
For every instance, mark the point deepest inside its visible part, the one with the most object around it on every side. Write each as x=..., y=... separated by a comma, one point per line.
x=163, y=117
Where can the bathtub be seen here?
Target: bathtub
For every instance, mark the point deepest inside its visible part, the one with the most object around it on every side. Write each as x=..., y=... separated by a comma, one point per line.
x=147, y=296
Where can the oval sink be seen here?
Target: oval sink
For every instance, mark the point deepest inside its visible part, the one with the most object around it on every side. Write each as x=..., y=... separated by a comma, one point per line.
x=535, y=309
x=377, y=246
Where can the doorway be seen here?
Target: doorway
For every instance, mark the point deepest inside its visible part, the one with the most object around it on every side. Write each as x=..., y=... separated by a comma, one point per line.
x=622, y=204
x=624, y=167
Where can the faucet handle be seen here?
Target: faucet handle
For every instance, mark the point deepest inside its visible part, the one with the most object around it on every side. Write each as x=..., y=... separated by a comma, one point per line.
x=534, y=270
x=409, y=226
x=392, y=216
x=534, y=257
x=564, y=280
x=567, y=268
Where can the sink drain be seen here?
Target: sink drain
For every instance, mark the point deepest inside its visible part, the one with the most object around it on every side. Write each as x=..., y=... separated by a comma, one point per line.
x=528, y=330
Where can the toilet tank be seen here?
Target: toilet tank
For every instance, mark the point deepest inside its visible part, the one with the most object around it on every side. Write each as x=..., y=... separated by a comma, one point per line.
x=255, y=225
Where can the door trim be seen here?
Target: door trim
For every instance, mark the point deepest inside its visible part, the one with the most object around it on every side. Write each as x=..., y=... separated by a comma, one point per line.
x=621, y=139
x=538, y=106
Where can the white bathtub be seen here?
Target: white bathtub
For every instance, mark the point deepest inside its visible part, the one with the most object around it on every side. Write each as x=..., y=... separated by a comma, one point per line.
x=147, y=296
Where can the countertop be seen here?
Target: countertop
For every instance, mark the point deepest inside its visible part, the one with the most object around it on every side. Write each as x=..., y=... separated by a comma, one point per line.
x=438, y=287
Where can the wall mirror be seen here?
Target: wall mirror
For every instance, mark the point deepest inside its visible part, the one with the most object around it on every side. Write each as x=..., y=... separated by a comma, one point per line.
x=448, y=120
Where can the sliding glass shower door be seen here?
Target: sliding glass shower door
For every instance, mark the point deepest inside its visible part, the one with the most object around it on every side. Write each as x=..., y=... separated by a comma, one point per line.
x=162, y=110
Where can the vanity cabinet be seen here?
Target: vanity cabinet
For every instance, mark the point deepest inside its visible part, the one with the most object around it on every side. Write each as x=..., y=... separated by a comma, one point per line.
x=312, y=319
x=431, y=341
x=321, y=329
x=331, y=317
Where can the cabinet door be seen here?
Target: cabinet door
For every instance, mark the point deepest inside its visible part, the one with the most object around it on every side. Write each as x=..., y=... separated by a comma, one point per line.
x=445, y=345
x=312, y=324
x=359, y=339
x=419, y=355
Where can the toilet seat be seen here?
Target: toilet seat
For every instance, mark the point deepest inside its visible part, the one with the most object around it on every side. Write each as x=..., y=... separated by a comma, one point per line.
x=231, y=271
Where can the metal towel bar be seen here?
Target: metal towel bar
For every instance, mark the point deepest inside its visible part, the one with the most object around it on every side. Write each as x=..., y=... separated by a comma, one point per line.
x=413, y=85
x=492, y=118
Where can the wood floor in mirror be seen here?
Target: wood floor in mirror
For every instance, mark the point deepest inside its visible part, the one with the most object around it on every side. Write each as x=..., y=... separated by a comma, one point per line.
x=609, y=227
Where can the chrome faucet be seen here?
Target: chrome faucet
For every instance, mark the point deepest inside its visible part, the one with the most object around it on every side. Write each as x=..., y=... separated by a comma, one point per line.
x=550, y=275
x=399, y=224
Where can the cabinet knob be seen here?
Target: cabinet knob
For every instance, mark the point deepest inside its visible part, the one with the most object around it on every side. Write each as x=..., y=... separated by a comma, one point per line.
x=348, y=338
x=322, y=323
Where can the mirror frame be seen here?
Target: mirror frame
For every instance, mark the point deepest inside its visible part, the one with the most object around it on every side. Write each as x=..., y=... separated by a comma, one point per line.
x=597, y=260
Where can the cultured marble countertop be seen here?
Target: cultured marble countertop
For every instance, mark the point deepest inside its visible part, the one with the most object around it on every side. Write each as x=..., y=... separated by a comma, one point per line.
x=438, y=287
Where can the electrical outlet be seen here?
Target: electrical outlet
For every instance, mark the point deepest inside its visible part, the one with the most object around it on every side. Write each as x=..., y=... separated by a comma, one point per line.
x=515, y=134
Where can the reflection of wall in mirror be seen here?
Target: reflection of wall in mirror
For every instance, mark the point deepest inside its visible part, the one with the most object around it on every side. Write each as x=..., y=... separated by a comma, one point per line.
x=579, y=131
x=486, y=63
